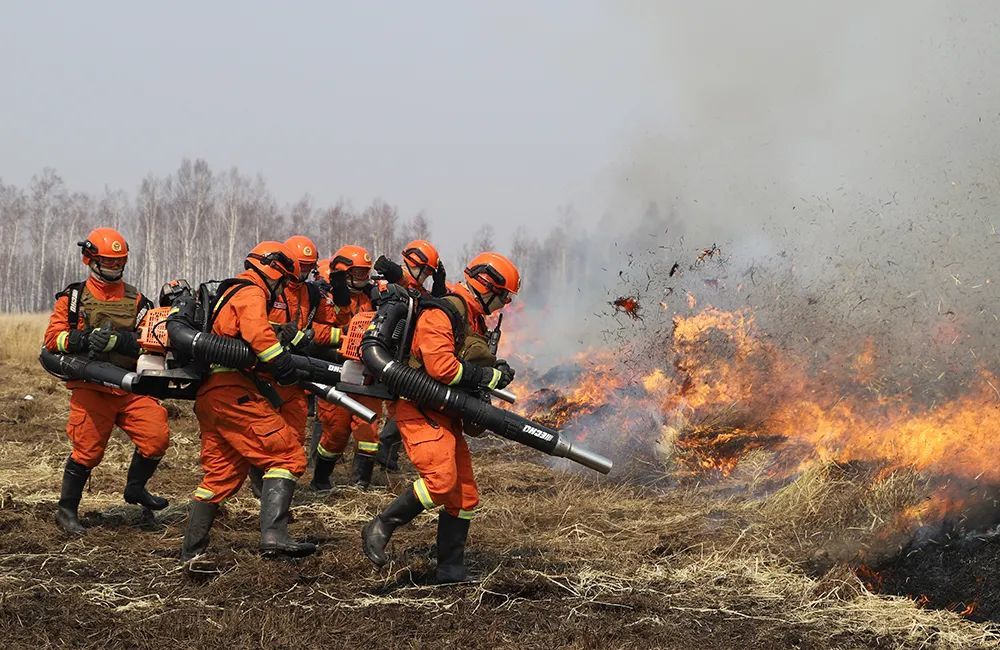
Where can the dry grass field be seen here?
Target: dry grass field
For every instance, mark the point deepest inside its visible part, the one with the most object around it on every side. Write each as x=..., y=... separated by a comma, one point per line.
x=561, y=559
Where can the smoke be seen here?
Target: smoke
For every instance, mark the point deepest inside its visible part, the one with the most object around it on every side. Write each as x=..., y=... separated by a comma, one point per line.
x=844, y=159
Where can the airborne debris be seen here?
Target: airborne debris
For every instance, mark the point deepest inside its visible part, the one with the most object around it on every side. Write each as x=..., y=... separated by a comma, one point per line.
x=673, y=269
x=708, y=253
x=629, y=305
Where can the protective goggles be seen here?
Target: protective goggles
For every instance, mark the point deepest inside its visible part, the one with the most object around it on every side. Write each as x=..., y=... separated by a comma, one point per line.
x=417, y=257
x=505, y=295
x=277, y=260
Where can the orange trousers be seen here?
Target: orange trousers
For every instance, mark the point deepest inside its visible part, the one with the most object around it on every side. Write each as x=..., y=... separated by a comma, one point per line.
x=436, y=446
x=294, y=409
x=339, y=424
x=240, y=428
x=94, y=412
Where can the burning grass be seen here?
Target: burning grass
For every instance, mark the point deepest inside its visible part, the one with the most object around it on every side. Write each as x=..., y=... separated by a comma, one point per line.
x=564, y=560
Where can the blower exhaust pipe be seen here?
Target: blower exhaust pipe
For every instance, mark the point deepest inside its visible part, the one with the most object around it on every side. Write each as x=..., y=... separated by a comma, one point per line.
x=334, y=396
x=72, y=366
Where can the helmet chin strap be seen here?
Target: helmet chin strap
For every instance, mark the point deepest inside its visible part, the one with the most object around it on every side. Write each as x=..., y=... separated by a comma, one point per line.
x=485, y=304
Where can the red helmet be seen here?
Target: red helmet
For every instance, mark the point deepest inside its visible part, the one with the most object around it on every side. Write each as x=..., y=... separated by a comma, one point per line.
x=351, y=257
x=421, y=254
x=304, y=252
x=103, y=243
x=273, y=260
x=493, y=273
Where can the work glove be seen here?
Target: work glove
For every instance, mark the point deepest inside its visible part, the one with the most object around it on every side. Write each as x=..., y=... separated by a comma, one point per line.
x=107, y=340
x=338, y=288
x=391, y=271
x=293, y=338
x=506, y=373
x=479, y=378
x=283, y=370
x=79, y=340
x=438, y=286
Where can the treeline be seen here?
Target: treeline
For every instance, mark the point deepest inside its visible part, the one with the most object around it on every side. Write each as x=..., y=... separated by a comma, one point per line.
x=198, y=224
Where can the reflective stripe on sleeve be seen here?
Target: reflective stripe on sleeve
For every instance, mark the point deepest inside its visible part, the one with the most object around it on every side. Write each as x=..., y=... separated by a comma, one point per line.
x=62, y=341
x=270, y=353
x=458, y=377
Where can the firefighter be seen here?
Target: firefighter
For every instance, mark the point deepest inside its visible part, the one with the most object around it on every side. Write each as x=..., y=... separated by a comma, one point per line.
x=339, y=424
x=420, y=261
x=240, y=423
x=99, y=317
x=449, y=344
x=301, y=316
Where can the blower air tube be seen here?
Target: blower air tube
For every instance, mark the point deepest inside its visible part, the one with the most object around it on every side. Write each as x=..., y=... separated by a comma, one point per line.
x=75, y=366
x=205, y=347
x=418, y=387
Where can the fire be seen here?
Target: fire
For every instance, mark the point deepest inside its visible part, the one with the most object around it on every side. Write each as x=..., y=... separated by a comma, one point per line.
x=720, y=388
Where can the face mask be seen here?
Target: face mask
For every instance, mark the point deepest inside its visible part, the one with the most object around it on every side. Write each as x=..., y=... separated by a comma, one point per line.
x=107, y=275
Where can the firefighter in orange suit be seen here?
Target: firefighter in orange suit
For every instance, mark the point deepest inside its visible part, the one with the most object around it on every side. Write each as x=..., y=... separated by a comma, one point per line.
x=339, y=424
x=240, y=426
x=434, y=440
x=420, y=262
x=98, y=317
x=301, y=316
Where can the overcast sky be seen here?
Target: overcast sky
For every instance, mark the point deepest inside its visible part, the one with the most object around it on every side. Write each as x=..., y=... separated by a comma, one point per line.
x=471, y=112
x=478, y=112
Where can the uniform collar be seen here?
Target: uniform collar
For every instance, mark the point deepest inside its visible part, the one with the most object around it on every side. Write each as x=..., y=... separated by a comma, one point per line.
x=103, y=290
x=475, y=307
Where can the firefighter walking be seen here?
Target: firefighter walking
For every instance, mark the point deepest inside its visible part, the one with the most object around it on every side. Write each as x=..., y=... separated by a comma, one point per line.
x=240, y=424
x=99, y=317
x=449, y=343
x=302, y=316
x=420, y=262
x=339, y=424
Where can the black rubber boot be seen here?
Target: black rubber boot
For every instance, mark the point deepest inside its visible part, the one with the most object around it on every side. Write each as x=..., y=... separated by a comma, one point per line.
x=75, y=477
x=321, y=473
x=139, y=472
x=451, y=536
x=376, y=533
x=256, y=476
x=276, y=497
x=361, y=470
x=389, y=443
x=200, y=519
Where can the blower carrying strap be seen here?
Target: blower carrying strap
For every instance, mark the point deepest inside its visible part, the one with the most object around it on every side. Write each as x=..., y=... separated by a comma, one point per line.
x=73, y=292
x=314, y=300
x=222, y=296
x=452, y=305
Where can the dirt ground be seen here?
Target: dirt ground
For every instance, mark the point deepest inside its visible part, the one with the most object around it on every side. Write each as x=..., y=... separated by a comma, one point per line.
x=561, y=559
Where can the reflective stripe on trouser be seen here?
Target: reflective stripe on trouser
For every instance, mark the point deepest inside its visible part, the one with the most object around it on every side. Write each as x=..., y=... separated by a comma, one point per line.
x=94, y=413
x=240, y=428
x=444, y=463
x=339, y=425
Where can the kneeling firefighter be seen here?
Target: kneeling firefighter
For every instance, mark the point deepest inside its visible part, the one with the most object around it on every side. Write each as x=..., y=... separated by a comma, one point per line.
x=420, y=262
x=339, y=424
x=302, y=316
x=449, y=344
x=99, y=317
x=240, y=424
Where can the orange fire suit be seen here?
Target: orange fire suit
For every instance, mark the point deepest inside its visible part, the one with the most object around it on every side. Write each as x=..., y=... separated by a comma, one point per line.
x=339, y=424
x=293, y=306
x=95, y=409
x=434, y=440
x=239, y=427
